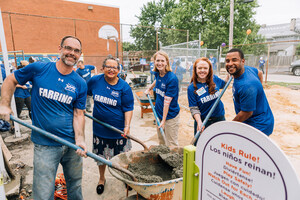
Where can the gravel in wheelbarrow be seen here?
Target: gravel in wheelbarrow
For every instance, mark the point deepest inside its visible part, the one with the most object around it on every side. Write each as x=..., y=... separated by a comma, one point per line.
x=163, y=165
x=156, y=178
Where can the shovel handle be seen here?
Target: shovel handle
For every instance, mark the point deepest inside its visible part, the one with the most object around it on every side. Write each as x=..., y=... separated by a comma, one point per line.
x=71, y=145
x=117, y=130
x=156, y=118
x=211, y=111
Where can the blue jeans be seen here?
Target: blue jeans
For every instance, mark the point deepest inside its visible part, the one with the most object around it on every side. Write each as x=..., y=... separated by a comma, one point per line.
x=45, y=162
x=88, y=102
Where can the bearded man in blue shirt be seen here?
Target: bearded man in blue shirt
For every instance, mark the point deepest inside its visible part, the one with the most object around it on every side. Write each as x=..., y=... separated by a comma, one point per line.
x=250, y=102
x=58, y=103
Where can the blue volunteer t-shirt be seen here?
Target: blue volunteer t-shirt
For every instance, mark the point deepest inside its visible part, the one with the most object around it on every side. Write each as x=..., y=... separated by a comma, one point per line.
x=179, y=71
x=54, y=96
x=166, y=86
x=213, y=61
x=261, y=63
x=86, y=73
x=22, y=93
x=110, y=104
x=204, y=100
x=151, y=64
x=3, y=72
x=249, y=95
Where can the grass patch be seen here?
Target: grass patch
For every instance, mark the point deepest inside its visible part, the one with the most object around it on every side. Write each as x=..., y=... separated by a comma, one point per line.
x=281, y=83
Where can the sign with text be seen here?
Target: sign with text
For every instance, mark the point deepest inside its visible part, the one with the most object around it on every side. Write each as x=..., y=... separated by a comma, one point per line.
x=237, y=161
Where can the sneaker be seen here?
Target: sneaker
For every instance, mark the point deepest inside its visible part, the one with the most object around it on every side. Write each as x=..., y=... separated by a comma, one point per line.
x=88, y=110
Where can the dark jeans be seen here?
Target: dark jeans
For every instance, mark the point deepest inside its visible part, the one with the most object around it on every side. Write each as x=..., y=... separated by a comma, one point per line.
x=262, y=69
x=210, y=121
x=20, y=104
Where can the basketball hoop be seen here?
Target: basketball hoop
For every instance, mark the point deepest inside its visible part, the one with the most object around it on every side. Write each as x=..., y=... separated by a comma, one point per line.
x=107, y=32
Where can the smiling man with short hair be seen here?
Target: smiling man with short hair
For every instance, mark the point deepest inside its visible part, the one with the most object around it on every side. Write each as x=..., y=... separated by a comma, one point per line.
x=58, y=103
x=250, y=102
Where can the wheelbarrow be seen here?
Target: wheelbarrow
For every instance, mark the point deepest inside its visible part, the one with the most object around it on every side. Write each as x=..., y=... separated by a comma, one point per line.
x=167, y=190
x=144, y=102
x=140, y=81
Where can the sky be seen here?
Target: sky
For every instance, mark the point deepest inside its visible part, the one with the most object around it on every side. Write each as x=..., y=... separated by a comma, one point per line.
x=270, y=12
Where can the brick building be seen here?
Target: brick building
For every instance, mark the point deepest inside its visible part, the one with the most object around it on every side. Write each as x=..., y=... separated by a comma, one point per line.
x=37, y=26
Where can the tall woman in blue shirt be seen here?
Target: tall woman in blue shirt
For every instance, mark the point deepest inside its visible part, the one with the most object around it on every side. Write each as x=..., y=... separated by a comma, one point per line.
x=166, y=103
x=203, y=92
x=113, y=104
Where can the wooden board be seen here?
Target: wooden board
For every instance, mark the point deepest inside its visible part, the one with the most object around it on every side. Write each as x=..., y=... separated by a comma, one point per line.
x=6, y=152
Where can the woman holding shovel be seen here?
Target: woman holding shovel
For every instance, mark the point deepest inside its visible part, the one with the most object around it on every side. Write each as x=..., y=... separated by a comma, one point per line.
x=166, y=103
x=113, y=104
x=203, y=92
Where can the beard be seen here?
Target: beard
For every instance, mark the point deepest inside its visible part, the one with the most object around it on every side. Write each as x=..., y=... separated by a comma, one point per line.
x=237, y=71
x=68, y=62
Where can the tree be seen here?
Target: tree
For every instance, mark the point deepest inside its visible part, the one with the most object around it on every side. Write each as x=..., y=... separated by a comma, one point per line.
x=128, y=46
x=208, y=17
x=151, y=15
x=211, y=19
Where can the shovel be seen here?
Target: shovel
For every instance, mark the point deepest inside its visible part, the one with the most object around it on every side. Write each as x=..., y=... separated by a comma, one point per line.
x=73, y=146
x=156, y=118
x=117, y=130
x=210, y=112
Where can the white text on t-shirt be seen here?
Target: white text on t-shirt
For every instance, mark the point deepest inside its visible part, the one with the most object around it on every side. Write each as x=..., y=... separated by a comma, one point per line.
x=210, y=97
x=161, y=93
x=50, y=94
x=105, y=100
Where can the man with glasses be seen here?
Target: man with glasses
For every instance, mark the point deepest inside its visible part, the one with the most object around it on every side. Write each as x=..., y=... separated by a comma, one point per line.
x=58, y=103
x=85, y=71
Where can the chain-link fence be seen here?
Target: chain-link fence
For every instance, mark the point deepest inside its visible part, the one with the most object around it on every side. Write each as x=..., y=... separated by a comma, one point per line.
x=182, y=57
x=147, y=40
x=270, y=57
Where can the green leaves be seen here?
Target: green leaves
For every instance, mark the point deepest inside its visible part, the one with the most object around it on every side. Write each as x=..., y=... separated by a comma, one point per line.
x=208, y=17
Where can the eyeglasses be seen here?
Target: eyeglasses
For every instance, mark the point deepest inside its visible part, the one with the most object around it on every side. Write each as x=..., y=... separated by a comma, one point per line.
x=68, y=48
x=111, y=67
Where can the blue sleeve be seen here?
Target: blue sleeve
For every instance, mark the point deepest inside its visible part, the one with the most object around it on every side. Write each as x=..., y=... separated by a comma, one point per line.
x=91, y=67
x=27, y=73
x=172, y=87
x=220, y=83
x=192, y=98
x=3, y=73
x=248, y=98
x=81, y=99
x=253, y=69
x=127, y=99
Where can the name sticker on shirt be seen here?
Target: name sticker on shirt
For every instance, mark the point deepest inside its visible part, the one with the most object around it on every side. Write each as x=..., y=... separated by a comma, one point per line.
x=201, y=91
